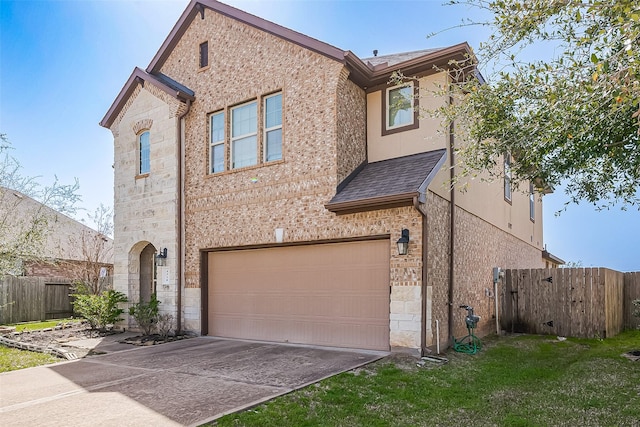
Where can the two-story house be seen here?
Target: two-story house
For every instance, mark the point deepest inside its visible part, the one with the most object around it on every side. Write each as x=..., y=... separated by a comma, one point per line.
x=270, y=186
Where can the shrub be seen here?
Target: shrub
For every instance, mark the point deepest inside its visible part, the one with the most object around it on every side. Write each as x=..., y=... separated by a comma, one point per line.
x=164, y=325
x=636, y=312
x=99, y=310
x=146, y=314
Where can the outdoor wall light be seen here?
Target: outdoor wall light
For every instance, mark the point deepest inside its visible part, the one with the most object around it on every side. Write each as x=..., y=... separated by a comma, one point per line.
x=161, y=257
x=403, y=242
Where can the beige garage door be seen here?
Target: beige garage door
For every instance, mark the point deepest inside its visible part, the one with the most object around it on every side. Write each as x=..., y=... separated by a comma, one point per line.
x=327, y=294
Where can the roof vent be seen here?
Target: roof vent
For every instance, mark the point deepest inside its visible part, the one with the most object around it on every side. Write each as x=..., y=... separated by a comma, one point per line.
x=375, y=52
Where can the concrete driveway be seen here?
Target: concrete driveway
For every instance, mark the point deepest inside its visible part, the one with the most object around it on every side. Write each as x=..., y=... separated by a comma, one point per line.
x=186, y=382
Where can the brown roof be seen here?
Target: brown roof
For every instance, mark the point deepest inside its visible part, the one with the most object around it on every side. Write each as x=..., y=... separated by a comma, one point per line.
x=388, y=183
x=161, y=81
x=397, y=58
x=364, y=74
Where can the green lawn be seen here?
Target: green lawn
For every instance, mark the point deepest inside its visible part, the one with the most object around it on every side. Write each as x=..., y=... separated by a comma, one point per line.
x=34, y=326
x=513, y=381
x=12, y=359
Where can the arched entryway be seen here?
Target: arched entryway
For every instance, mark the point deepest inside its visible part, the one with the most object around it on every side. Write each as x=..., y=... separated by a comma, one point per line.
x=142, y=272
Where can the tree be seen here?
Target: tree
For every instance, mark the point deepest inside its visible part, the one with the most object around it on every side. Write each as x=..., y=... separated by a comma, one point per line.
x=24, y=227
x=572, y=118
x=95, y=250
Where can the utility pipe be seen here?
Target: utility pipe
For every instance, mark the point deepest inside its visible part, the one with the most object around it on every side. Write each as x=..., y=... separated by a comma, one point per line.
x=180, y=206
x=452, y=207
x=437, y=336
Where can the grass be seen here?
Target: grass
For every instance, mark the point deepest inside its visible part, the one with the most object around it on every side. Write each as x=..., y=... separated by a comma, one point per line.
x=34, y=326
x=12, y=359
x=513, y=381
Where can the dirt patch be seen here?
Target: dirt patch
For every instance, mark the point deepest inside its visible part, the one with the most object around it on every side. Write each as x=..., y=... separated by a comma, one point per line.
x=62, y=333
x=633, y=355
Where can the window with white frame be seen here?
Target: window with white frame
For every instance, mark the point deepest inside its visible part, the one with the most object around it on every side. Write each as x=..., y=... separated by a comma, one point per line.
x=507, y=177
x=244, y=135
x=144, y=153
x=532, y=203
x=273, y=127
x=216, y=148
x=399, y=106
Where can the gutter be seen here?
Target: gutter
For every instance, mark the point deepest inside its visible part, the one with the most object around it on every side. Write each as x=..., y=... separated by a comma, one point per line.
x=452, y=223
x=180, y=237
x=423, y=288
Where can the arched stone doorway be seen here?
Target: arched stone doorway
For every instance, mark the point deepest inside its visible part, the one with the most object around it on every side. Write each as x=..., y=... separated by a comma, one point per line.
x=147, y=273
x=142, y=272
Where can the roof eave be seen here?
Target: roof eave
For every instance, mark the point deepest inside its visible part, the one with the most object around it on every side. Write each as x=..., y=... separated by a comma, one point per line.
x=366, y=76
x=373, y=203
x=138, y=76
x=195, y=7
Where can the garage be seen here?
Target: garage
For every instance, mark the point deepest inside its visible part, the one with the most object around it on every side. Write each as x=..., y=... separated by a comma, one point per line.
x=332, y=294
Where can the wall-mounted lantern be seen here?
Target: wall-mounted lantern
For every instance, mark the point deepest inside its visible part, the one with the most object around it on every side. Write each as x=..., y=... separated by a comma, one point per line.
x=161, y=257
x=403, y=242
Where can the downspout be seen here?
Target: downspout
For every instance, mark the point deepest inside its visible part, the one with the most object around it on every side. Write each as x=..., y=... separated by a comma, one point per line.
x=423, y=290
x=180, y=237
x=452, y=223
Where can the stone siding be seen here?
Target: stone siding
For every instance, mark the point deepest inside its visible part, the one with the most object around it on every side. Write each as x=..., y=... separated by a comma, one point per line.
x=146, y=206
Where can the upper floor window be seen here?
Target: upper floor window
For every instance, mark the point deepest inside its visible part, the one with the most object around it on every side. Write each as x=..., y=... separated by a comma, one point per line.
x=204, y=54
x=273, y=127
x=217, y=142
x=532, y=203
x=507, y=177
x=400, y=108
x=244, y=135
x=144, y=148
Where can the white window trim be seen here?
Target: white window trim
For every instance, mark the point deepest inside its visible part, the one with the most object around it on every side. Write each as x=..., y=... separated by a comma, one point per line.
x=232, y=139
x=267, y=130
x=532, y=203
x=139, y=138
x=388, y=101
x=212, y=143
x=507, y=178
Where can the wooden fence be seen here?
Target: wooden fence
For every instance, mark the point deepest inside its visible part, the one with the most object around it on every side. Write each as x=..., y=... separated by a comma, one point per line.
x=631, y=293
x=576, y=302
x=24, y=299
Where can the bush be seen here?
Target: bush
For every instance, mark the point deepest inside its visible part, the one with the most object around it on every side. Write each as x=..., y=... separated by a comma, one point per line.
x=100, y=310
x=164, y=325
x=636, y=312
x=146, y=314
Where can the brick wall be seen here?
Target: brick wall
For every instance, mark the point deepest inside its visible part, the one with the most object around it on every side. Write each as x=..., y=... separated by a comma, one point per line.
x=478, y=246
x=244, y=207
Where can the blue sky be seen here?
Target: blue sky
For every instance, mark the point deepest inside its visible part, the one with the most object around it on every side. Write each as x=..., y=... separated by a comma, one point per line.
x=62, y=63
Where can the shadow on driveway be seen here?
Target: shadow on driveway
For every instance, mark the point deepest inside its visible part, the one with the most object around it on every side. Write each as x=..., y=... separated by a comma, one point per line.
x=187, y=382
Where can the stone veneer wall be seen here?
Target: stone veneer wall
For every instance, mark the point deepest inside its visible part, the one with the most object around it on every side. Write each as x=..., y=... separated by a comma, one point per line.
x=479, y=246
x=146, y=206
x=244, y=207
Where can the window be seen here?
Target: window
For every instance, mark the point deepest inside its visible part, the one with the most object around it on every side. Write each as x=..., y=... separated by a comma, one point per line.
x=144, y=148
x=217, y=142
x=247, y=134
x=244, y=142
x=273, y=128
x=204, y=54
x=532, y=203
x=399, y=108
x=507, y=177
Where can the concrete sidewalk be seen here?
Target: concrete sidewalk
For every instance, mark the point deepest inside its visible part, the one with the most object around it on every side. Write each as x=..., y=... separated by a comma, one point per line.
x=186, y=382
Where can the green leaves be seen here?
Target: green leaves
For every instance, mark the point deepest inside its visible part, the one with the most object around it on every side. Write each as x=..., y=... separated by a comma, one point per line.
x=572, y=117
